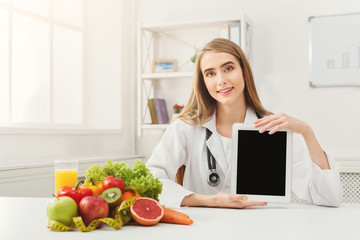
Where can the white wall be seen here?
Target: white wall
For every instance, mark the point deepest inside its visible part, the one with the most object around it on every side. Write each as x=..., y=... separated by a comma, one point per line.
x=280, y=63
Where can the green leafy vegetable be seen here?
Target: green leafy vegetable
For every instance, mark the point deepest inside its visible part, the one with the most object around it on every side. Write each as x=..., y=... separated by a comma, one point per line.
x=96, y=173
x=139, y=178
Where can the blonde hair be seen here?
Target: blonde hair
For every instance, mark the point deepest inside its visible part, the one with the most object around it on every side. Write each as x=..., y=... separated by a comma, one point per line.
x=201, y=106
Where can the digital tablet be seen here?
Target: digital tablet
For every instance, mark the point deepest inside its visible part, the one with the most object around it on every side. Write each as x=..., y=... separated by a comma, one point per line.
x=261, y=163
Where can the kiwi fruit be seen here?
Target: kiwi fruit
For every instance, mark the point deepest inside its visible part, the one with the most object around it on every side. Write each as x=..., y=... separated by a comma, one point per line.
x=124, y=213
x=112, y=196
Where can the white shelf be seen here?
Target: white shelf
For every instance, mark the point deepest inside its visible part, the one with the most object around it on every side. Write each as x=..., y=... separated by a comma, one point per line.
x=189, y=24
x=167, y=41
x=167, y=75
x=155, y=126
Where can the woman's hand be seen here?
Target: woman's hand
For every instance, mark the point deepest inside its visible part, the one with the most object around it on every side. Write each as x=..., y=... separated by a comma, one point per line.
x=280, y=121
x=228, y=200
x=222, y=199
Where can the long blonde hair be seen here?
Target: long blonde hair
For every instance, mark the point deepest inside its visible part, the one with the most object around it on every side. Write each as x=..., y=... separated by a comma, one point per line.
x=201, y=106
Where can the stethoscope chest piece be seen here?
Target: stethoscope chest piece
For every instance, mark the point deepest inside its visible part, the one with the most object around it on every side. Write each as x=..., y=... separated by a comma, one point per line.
x=213, y=178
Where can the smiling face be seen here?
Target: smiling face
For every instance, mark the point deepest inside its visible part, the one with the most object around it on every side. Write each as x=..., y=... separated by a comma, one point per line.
x=223, y=77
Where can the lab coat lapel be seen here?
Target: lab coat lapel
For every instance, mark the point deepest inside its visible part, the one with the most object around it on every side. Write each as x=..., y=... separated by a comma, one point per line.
x=250, y=118
x=215, y=146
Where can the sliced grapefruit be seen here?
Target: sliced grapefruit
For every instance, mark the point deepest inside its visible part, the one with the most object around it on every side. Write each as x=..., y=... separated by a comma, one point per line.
x=146, y=211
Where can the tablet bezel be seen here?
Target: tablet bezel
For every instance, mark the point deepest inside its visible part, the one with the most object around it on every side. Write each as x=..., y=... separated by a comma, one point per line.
x=234, y=162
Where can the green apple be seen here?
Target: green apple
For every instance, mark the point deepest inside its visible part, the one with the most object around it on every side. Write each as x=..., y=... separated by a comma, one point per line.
x=62, y=209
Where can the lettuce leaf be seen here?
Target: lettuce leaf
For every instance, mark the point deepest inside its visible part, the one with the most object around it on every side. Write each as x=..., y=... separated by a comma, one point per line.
x=139, y=178
x=96, y=173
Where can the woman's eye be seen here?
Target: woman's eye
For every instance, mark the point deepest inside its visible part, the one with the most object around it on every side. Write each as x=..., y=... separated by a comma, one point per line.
x=210, y=74
x=228, y=69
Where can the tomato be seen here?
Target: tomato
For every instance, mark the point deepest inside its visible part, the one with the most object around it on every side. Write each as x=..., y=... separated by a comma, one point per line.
x=111, y=182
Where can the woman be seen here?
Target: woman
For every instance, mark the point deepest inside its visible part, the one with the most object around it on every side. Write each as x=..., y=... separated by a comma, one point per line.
x=224, y=93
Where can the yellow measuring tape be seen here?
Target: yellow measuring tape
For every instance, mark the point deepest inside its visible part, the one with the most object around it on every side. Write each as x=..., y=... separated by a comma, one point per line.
x=115, y=223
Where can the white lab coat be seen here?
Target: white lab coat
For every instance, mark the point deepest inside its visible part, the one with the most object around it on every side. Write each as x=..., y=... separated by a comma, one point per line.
x=183, y=144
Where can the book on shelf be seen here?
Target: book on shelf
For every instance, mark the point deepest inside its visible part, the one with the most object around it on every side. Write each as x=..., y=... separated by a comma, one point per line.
x=152, y=111
x=158, y=111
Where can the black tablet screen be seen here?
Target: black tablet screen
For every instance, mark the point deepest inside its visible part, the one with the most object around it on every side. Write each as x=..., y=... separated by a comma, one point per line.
x=261, y=163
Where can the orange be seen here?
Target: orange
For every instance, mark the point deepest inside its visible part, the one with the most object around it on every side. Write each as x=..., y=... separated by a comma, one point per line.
x=146, y=211
x=129, y=193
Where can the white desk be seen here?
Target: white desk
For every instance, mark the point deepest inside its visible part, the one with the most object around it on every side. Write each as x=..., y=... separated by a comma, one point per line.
x=25, y=218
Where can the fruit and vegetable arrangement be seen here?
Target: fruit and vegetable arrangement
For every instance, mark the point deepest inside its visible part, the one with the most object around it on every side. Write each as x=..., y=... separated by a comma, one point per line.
x=113, y=194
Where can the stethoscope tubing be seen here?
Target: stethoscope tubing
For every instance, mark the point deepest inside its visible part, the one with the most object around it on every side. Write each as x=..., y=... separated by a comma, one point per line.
x=213, y=178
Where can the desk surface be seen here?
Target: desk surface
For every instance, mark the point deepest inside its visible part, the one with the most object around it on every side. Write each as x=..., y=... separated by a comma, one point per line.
x=21, y=218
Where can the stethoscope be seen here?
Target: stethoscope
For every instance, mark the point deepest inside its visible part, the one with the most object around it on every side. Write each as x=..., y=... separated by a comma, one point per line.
x=213, y=178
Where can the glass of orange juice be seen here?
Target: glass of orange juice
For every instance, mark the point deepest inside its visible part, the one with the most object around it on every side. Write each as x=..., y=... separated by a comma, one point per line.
x=66, y=174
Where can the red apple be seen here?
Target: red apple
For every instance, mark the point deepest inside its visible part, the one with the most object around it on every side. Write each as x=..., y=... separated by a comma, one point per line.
x=93, y=207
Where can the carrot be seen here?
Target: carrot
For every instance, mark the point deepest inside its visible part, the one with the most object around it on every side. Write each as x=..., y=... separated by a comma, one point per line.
x=173, y=216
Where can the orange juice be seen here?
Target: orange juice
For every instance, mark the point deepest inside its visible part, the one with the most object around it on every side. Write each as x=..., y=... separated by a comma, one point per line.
x=65, y=178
